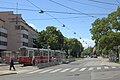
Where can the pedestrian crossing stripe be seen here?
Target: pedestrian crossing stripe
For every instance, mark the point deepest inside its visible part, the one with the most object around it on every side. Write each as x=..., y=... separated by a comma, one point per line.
x=82, y=69
x=46, y=70
x=98, y=68
x=106, y=67
x=35, y=71
x=113, y=67
x=55, y=70
x=91, y=68
x=74, y=69
x=66, y=70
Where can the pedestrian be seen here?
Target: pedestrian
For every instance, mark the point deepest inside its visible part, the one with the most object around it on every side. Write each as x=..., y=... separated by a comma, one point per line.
x=12, y=64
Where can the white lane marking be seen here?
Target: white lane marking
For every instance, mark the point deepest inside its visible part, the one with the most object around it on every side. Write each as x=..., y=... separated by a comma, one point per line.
x=113, y=67
x=74, y=69
x=91, y=68
x=82, y=69
x=46, y=70
x=65, y=70
x=55, y=71
x=35, y=71
x=98, y=68
x=106, y=67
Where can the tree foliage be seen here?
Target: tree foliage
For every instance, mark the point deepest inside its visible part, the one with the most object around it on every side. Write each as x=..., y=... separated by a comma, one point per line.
x=105, y=31
x=87, y=51
x=99, y=28
x=110, y=40
x=114, y=19
x=73, y=47
x=50, y=37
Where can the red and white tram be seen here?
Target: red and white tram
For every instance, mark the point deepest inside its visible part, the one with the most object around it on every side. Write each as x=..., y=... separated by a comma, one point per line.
x=29, y=56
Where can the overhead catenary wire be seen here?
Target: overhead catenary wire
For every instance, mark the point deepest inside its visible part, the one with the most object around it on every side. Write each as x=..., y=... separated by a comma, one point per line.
x=77, y=17
x=24, y=9
x=103, y=2
x=117, y=1
x=45, y=12
x=78, y=2
x=63, y=25
x=72, y=9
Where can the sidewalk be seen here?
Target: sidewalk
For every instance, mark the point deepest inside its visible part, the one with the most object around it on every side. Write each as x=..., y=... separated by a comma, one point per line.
x=4, y=69
x=105, y=61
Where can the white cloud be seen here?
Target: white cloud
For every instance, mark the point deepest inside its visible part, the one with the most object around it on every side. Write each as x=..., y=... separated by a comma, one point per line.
x=88, y=41
x=32, y=25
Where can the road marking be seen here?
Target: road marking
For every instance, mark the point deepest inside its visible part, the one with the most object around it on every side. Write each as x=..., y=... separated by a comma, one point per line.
x=74, y=69
x=35, y=71
x=90, y=69
x=113, y=67
x=106, y=67
x=98, y=68
x=82, y=69
x=55, y=70
x=65, y=70
x=46, y=70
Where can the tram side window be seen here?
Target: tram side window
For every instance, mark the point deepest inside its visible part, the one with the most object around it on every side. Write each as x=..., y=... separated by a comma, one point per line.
x=50, y=54
x=45, y=53
x=23, y=53
x=41, y=54
x=31, y=53
x=37, y=53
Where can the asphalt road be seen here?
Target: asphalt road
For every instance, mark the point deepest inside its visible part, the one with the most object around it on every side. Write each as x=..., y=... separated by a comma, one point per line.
x=86, y=69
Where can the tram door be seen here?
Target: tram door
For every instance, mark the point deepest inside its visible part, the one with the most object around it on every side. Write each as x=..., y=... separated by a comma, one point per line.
x=30, y=54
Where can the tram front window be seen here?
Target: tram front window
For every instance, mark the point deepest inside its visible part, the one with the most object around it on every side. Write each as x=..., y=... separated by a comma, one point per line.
x=23, y=53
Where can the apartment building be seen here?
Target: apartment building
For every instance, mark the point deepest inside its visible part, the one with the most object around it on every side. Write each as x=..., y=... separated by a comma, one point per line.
x=15, y=32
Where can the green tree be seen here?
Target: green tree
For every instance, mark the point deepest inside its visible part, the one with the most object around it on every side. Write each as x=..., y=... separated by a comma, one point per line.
x=50, y=37
x=114, y=20
x=104, y=31
x=99, y=28
x=109, y=41
x=87, y=51
x=73, y=46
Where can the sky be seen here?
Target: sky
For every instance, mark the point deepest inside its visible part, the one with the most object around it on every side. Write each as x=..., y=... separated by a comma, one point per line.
x=76, y=15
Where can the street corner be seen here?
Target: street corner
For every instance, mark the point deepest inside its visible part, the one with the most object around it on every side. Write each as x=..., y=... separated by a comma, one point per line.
x=3, y=73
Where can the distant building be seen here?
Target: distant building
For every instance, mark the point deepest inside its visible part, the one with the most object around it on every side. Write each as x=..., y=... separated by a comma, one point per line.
x=15, y=32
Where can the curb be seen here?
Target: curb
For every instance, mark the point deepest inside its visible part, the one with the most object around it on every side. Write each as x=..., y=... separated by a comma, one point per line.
x=4, y=65
x=7, y=74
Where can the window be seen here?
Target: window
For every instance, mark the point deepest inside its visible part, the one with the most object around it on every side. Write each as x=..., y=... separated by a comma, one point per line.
x=23, y=53
x=17, y=27
x=3, y=34
x=34, y=40
x=3, y=43
x=31, y=53
x=25, y=36
x=25, y=44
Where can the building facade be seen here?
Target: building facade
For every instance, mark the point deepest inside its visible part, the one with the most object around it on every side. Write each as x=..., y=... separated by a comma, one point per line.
x=15, y=32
